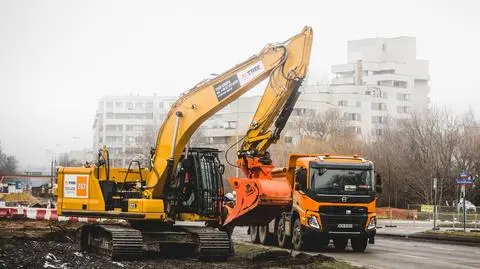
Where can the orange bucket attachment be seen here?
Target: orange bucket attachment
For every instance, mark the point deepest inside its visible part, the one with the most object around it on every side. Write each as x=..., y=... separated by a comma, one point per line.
x=258, y=200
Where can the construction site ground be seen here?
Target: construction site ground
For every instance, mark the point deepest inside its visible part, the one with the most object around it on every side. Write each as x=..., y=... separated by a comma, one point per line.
x=42, y=244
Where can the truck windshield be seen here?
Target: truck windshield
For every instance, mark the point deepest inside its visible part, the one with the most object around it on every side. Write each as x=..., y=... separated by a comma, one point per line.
x=340, y=181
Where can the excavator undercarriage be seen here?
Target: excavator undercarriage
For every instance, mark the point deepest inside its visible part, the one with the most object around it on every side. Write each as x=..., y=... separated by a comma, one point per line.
x=128, y=243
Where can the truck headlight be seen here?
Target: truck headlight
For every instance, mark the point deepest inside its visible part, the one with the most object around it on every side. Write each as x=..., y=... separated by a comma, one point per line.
x=312, y=222
x=372, y=224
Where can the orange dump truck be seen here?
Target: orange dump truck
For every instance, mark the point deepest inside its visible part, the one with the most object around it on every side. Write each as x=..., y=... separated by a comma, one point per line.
x=333, y=198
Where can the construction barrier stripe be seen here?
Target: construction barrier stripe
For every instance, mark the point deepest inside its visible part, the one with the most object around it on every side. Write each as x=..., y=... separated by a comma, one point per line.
x=42, y=214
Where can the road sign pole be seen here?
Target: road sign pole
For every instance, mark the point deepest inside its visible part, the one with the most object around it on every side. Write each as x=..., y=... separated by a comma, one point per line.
x=435, y=204
x=464, y=210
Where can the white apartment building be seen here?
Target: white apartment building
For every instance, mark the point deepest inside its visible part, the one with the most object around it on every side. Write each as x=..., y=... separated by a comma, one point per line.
x=382, y=80
x=128, y=124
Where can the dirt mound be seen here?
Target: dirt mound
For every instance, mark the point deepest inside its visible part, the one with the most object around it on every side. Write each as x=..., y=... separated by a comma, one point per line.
x=19, y=197
x=282, y=258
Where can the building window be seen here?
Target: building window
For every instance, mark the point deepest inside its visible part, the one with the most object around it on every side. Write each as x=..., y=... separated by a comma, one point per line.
x=379, y=119
x=399, y=84
x=382, y=72
x=377, y=132
x=118, y=104
x=403, y=97
x=288, y=139
x=354, y=130
x=359, y=104
x=114, y=139
x=129, y=127
x=109, y=115
x=384, y=47
x=403, y=109
x=160, y=105
x=138, y=105
x=111, y=127
x=149, y=105
x=343, y=103
x=303, y=111
x=109, y=105
x=129, y=105
x=352, y=116
x=379, y=106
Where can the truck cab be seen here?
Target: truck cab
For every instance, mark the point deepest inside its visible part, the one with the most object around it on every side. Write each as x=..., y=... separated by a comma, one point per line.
x=334, y=198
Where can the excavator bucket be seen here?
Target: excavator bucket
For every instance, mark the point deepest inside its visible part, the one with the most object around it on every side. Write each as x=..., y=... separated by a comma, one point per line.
x=258, y=200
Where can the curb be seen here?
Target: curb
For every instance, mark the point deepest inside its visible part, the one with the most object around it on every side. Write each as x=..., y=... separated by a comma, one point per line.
x=458, y=240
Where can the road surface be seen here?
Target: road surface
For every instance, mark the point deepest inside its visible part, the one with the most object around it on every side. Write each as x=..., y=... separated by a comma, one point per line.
x=402, y=254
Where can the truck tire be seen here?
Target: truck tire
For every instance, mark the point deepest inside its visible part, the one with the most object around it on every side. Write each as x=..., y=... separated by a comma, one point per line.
x=283, y=240
x=359, y=243
x=265, y=238
x=340, y=243
x=254, y=234
x=298, y=239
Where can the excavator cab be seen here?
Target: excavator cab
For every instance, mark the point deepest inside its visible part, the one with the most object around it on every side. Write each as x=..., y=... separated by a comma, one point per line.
x=197, y=185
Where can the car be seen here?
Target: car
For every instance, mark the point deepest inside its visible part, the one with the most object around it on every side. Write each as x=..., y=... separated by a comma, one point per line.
x=468, y=205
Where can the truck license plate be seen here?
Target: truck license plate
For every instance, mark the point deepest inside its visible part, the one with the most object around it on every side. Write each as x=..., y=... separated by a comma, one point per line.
x=345, y=225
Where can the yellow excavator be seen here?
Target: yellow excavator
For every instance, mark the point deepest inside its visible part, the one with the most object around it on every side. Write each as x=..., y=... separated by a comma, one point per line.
x=179, y=199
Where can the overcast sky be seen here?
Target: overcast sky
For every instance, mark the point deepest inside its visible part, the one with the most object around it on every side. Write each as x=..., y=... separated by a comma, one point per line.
x=57, y=58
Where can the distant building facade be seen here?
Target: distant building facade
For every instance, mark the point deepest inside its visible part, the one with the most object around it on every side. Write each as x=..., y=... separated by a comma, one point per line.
x=126, y=124
x=382, y=80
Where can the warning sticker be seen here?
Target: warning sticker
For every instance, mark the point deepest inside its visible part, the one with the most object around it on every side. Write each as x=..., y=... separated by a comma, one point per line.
x=224, y=88
x=75, y=186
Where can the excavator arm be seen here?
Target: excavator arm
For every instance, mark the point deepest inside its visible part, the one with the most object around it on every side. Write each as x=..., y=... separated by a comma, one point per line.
x=284, y=63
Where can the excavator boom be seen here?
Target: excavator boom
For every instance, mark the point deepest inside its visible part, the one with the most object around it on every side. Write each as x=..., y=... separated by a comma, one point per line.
x=284, y=63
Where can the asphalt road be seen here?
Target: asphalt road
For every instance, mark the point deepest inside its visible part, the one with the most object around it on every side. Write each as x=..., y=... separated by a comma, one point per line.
x=402, y=254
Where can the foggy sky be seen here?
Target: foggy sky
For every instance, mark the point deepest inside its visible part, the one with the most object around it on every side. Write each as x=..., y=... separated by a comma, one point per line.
x=57, y=58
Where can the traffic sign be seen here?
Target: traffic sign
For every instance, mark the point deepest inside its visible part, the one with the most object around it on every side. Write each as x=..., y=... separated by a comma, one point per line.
x=464, y=181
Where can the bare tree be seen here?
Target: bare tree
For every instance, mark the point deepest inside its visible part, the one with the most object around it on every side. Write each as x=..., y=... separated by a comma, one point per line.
x=8, y=163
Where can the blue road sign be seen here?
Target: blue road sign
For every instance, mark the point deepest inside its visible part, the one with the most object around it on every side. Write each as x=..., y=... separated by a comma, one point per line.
x=464, y=180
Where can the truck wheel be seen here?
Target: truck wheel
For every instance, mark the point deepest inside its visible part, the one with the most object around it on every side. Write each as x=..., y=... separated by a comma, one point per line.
x=253, y=234
x=340, y=243
x=264, y=236
x=283, y=240
x=298, y=239
x=359, y=243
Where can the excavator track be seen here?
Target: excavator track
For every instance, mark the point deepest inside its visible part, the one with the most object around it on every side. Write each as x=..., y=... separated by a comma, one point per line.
x=212, y=244
x=126, y=243
x=117, y=242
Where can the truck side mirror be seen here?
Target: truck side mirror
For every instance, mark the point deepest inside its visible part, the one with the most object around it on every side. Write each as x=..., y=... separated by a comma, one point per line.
x=378, y=183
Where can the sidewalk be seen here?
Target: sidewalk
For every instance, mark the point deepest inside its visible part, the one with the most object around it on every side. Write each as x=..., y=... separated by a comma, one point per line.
x=408, y=229
x=402, y=227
